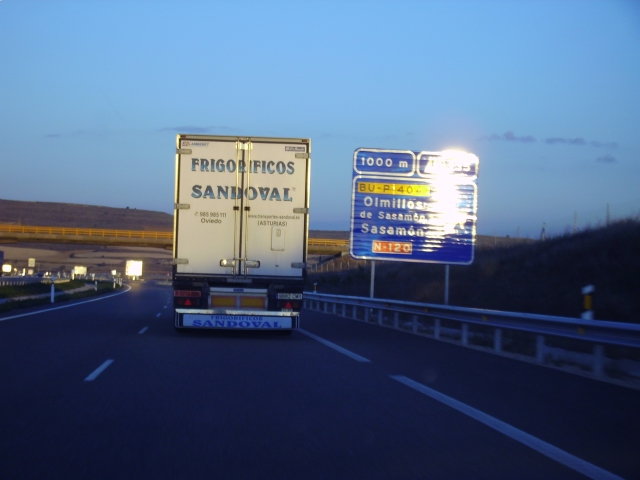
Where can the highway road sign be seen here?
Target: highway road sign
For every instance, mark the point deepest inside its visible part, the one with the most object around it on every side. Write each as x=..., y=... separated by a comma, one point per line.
x=414, y=206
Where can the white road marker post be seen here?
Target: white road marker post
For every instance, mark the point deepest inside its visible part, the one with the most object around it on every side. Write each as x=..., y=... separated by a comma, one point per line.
x=588, y=302
x=53, y=282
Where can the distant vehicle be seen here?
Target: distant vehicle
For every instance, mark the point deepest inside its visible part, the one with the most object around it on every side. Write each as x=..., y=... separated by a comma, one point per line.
x=240, y=232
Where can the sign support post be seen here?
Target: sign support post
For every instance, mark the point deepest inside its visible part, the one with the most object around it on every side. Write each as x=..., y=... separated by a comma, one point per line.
x=373, y=276
x=446, y=284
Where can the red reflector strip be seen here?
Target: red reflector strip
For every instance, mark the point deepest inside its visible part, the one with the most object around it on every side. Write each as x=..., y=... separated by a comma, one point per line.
x=187, y=293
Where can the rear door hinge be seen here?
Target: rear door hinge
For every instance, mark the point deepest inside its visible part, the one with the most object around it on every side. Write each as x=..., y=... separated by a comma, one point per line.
x=181, y=206
x=180, y=261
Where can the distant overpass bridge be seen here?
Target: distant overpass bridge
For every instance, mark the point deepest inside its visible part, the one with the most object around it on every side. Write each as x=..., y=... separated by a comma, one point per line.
x=126, y=238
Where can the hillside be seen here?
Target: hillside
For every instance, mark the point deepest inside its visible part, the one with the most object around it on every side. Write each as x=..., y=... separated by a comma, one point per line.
x=544, y=277
x=86, y=216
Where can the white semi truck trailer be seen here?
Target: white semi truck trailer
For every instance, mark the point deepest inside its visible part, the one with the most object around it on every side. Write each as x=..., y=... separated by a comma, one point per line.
x=241, y=224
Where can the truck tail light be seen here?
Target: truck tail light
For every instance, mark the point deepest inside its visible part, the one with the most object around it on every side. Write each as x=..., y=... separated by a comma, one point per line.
x=289, y=305
x=187, y=298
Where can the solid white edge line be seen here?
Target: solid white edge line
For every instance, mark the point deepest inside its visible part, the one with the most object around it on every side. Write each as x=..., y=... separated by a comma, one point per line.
x=98, y=371
x=550, y=451
x=143, y=330
x=66, y=306
x=344, y=351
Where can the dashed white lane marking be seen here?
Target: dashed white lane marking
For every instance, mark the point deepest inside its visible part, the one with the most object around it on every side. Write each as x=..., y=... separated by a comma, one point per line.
x=66, y=306
x=143, y=330
x=158, y=315
x=98, y=371
x=530, y=441
x=344, y=351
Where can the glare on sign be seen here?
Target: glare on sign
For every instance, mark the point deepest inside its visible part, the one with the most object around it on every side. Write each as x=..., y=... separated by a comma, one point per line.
x=6, y=268
x=134, y=268
x=79, y=270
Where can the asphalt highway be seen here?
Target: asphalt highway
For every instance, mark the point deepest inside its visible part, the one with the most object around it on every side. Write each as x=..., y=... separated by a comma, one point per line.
x=108, y=389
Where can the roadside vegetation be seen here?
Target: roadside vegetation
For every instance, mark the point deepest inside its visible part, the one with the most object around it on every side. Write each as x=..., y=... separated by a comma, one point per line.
x=33, y=289
x=543, y=277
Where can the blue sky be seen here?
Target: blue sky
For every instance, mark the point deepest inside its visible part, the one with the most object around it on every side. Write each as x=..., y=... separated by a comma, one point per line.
x=545, y=93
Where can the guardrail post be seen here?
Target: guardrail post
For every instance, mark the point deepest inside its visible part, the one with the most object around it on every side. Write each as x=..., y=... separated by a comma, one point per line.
x=540, y=349
x=380, y=316
x=414, y=320
x=367, y=310
x=326, y=307
x=396, y=320
x=497, y=340
x=598, y=360
x=465, y=334
x=344, y=310
x=436, y=329
x=354, y=313
x=335, y=305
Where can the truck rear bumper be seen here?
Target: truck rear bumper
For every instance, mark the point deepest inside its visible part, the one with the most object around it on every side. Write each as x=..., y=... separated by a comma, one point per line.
x=236, y=319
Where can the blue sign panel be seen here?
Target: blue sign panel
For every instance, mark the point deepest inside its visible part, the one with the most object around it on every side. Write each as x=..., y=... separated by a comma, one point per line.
x=414, y=206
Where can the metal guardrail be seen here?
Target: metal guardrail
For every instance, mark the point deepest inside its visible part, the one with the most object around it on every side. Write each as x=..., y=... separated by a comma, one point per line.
x=471, y=326
x=18, y=281
x=90, y=232
x=101, y=232
x=328, y=242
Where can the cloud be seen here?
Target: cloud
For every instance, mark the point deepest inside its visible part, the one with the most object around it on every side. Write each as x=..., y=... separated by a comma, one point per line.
x=580, y=141
x=577, y=141
x=194, y=129
x=606, y=159
x=510, y=137
x=569, y=141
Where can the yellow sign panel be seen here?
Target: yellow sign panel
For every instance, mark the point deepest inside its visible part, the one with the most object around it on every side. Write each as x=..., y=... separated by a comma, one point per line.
x=414, y=190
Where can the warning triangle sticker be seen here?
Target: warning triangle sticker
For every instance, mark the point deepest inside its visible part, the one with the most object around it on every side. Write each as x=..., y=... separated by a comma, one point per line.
x=187, y=303
x=288, y=305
